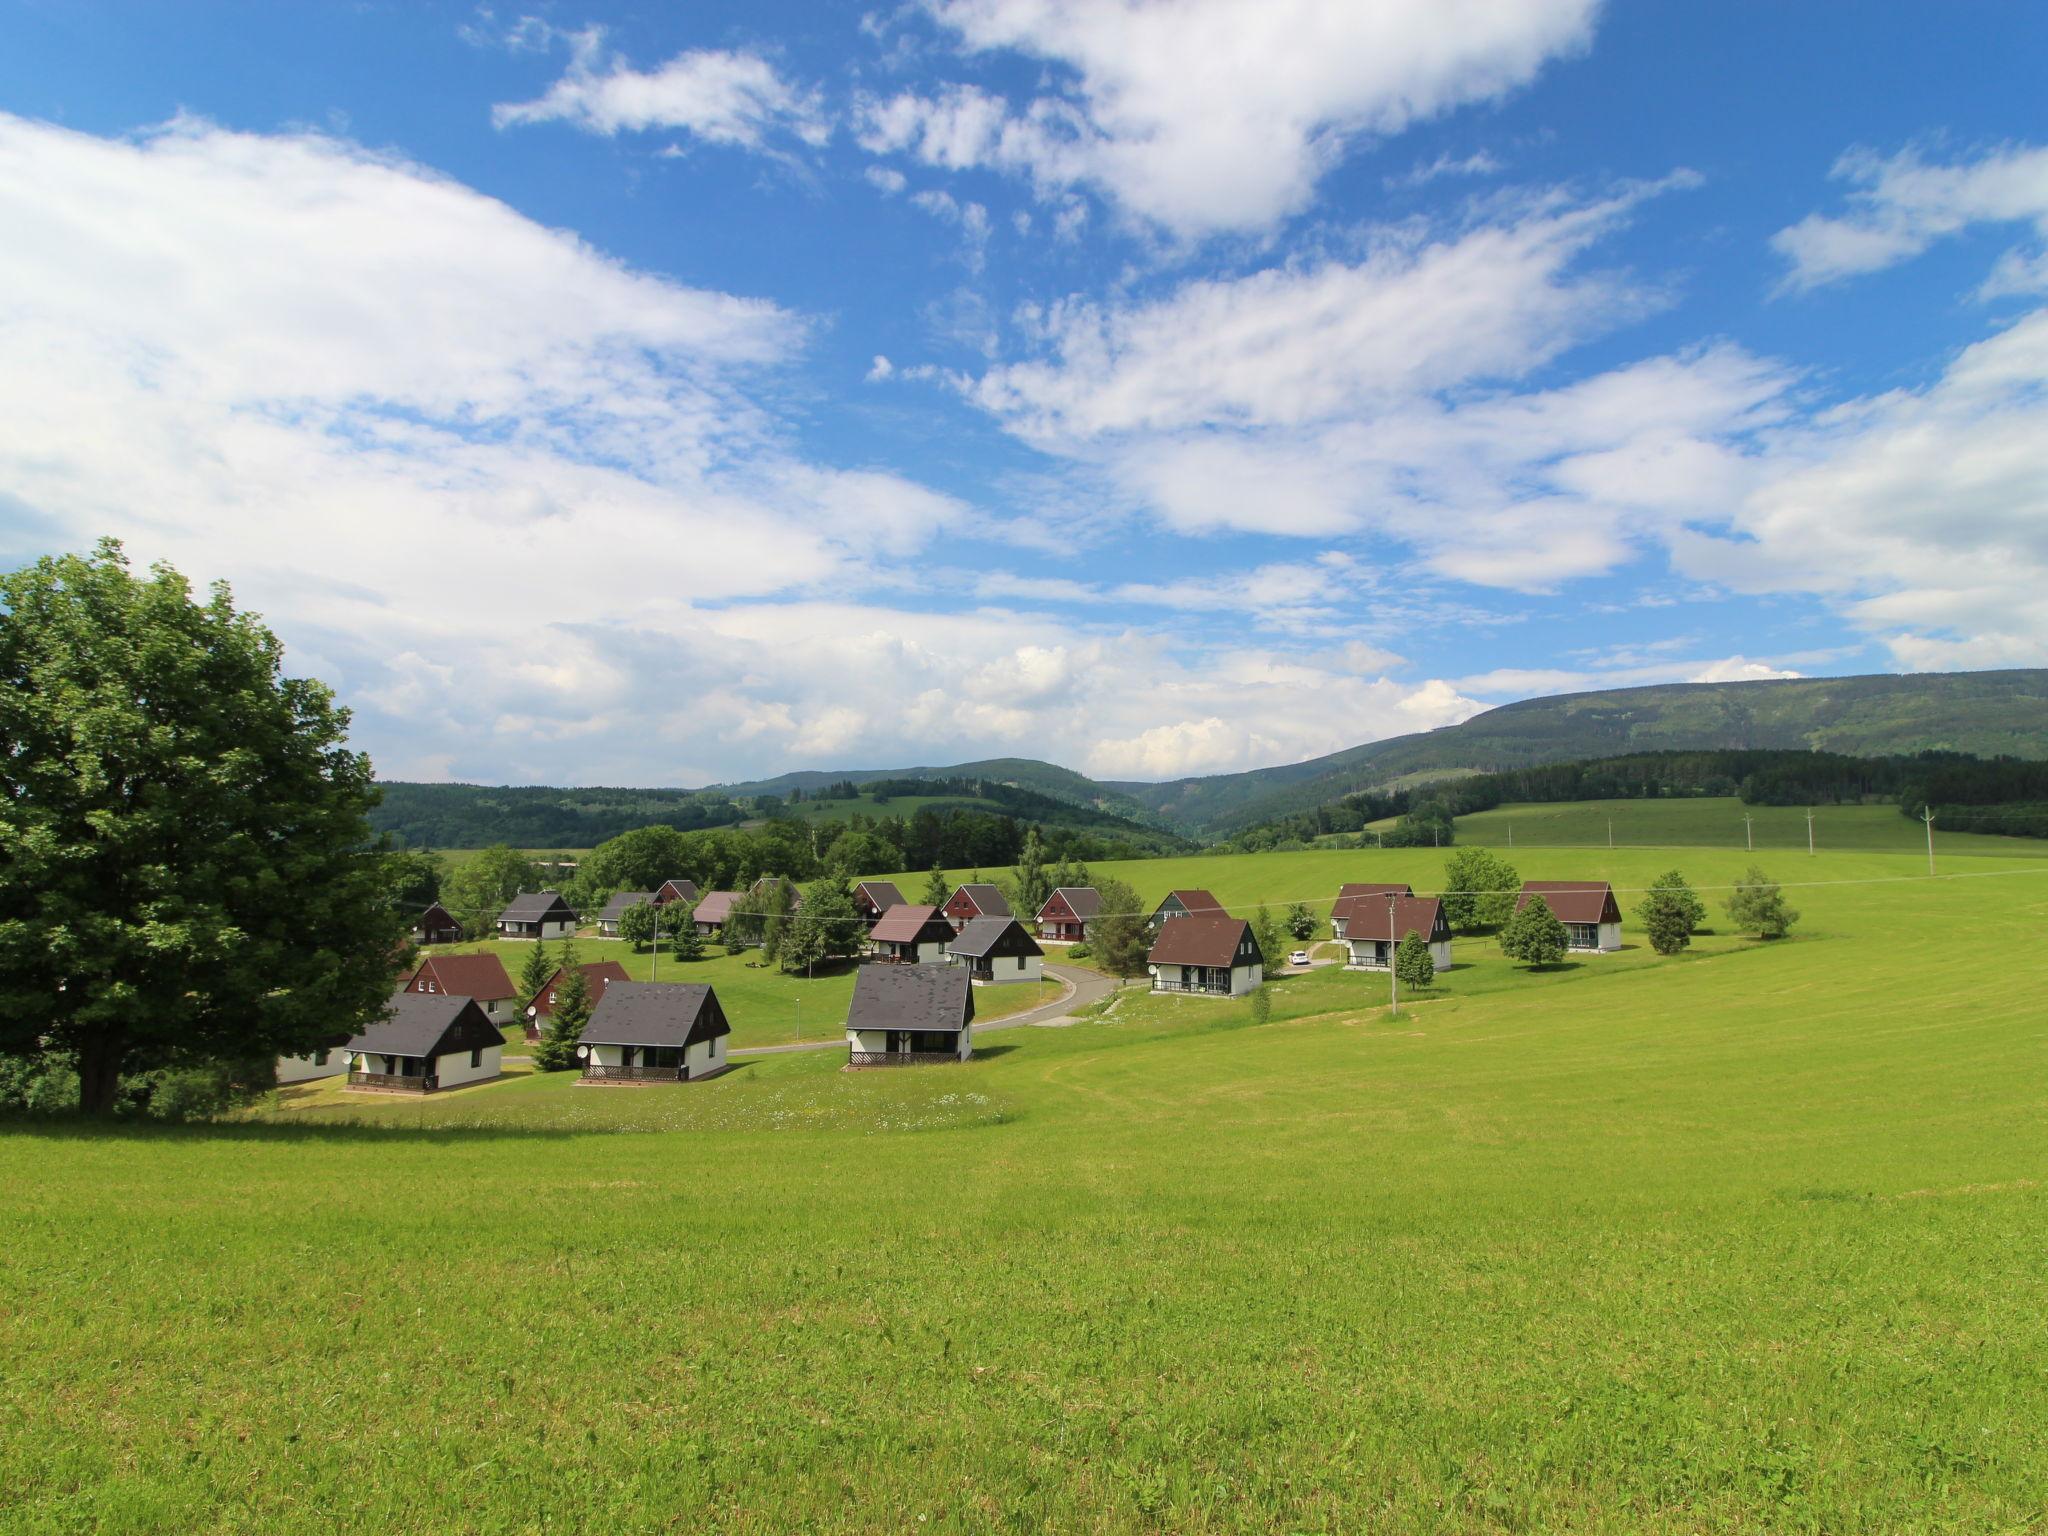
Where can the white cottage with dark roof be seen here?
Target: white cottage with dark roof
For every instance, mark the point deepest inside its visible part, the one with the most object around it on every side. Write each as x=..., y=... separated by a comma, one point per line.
x=654, y=1032
x=537, y=915
x=997, y=949
x=905, y=1014
x=1587, y=908
x=617, y=907
x=429, y=1041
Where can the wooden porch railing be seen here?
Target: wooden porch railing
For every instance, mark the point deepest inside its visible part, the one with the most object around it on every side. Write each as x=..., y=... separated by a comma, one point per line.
x=598, y=1072
x=393, y=1080
x=1207, y=989
x=897, y=1058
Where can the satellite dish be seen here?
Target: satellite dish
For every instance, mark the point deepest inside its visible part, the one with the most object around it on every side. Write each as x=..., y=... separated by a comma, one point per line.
x=582, y=1052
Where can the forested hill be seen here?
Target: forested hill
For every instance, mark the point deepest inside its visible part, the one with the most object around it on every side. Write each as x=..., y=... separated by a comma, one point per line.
x=1988, y=714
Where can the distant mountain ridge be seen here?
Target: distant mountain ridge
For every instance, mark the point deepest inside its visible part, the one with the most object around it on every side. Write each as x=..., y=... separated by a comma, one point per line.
x=1986, y=713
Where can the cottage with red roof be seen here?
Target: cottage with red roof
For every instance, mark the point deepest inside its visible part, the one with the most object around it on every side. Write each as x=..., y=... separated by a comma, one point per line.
x=1190, y=903
x=1373, y=925
x=1350, y=891
x=911, y=935
x=1067, y=912
x=598, y=974
x=1587, y=908
x=972, y=901
x=479, y=976
x=1208, y=953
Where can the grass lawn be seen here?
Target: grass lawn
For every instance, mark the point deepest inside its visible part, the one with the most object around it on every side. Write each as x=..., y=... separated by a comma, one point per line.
x=1745, y=1240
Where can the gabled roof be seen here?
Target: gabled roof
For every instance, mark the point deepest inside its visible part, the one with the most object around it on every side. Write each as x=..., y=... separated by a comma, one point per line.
x=1574, y=901
x=467, y=976
x=928, y=997
x=1371, y=888
x=907, y=924
x=428, y=912
x=676, y=890
x=715, y=907
x=535, y=907
x=986, y=900
x=881, y=894
x=599, y=973
x=1194, y=900
x=426, y=1024
x=994, y=935
x=1084, y=901
x=1201, y=940
x=616, y=907
x=767, y=882
x=1365, y=917
x=655, y=1013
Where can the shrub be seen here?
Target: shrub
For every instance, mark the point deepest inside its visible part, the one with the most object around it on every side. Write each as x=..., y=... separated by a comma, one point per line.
x=1534, y=936
x=1413, y=964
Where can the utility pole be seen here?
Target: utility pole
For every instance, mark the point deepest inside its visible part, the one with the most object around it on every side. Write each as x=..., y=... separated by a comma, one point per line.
x=1610, y=831
x=1748, y=834
x=1927, y=815
x=1809, y=834
x=1393, y=976
x=1511, y=834
x=655, y=973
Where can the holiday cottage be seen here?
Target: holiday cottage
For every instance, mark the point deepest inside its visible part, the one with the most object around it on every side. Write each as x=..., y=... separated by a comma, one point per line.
x=430, y=1041
x=331, y=1060
x=1190, y=903
x=902, y=1015
x=871, y=898
x=597, y=975
x=972, y=901
x=1206, y=953
x=654, y=1032
x=479, y=976
x=1374, y=925
x=710, y=914
x=1587, y=908
x=907, y=935
x=1067, y=912
x=1351, y=891
x=994, y=949
x=537, y=915
x=436, y=925
x=677, y=890
x=616, y=908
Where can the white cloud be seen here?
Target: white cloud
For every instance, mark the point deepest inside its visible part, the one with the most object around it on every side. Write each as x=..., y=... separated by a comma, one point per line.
x=970, y=218
x=1901, y=205
x=1507, y=683
x=722, y=96
x=880, y=369
x=886, y=181
x=1208, y=115
x=1478, y=163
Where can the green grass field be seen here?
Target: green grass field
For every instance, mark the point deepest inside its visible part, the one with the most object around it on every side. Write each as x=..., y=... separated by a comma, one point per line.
x=1748, y=1239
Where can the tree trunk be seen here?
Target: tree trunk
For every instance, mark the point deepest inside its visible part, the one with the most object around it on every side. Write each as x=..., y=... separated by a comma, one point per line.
x=99, y=1077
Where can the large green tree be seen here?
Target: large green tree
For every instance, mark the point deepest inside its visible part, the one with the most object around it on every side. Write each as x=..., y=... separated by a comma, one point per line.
x=1033, y=884
x=556, y=1051
x=1479, y=889
x=480, y=887
x=1670, y=911
x=638, y=924
x=1120, y=938
x=825, y=927
x=1758, y=906
x=186, y=871
x=639, y=860
x=1534, y=935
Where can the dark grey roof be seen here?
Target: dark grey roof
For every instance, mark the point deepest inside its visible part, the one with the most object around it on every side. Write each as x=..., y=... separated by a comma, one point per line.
x=535, y=906
x=988, y=899
x=655, y=1013
x=426, y=1024
x=994, y=935
x=882, y=893
x=1084, y=901
x=616, y=907
x=911, y=997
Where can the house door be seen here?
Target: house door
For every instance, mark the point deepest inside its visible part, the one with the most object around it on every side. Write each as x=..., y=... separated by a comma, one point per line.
x=899, y=1041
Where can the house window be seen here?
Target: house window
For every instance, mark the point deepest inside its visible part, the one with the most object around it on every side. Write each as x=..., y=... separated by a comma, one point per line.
x=1020, y=962
x=476, y=1057
x=320, y=1058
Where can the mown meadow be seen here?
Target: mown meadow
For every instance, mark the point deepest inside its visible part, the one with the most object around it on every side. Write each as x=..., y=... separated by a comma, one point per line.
x=1744, y=1239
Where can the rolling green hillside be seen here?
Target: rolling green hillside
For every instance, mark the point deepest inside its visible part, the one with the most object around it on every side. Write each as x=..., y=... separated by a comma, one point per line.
x=1987, y=713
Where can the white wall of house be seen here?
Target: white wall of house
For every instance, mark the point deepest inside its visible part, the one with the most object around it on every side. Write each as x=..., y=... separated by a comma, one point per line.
x=1365, y=955
x=303, y=1069
x=557, y=930
x=705, y=1057
x=1610, y=936
x=453, y=1069
x=1243, y=978
x=607, y=1055
x=1005, y=968
x=877, y=1041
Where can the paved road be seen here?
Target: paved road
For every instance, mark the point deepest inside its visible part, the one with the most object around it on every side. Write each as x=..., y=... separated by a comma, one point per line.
x=1082, y=987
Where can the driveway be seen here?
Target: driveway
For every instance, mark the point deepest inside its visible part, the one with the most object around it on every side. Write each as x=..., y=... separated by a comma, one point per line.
x=1083, y=987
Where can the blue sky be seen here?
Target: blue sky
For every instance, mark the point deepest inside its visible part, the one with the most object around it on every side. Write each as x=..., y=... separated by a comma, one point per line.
x=680, y=394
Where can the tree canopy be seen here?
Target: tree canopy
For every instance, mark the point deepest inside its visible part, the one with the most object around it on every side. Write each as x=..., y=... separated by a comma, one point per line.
x=1479, y=889
x=1758, y=906
x=1534, y=935
x=188, y=866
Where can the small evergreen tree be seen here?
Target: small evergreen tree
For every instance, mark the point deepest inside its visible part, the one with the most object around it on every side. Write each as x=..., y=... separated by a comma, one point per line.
x=1032, y=884
x=1301, y=923
x=556, y=1051
x=1533, y=935
x=637, y=924
x=540, y=965
x=1668, y=914
x=935, y=888
x=680, y=924
x=1758, y=906
x=1121, y=937
x=1479, y=889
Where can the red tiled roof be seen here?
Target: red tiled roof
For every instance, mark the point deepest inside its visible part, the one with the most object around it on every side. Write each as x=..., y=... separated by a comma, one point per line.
x=902, y=925
x=1365, y=917
x=465, y=976
x=1199, y=941
x=1574, y=901
x=1195, y=900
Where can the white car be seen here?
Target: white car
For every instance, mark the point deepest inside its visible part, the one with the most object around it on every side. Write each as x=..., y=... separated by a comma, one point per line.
x=1299, y=957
